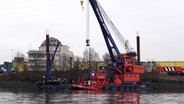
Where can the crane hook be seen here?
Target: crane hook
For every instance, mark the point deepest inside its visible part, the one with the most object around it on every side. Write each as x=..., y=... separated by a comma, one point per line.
x=81, y=2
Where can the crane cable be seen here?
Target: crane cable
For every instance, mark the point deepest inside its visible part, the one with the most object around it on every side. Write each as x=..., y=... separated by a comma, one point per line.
x=118, y=35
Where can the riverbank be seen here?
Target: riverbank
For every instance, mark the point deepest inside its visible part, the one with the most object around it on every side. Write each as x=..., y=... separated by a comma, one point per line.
x=25, y=81
x=164, y=82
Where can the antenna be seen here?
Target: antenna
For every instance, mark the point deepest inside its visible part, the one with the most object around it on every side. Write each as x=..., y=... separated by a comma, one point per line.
x=47, y=31
x=138, y=33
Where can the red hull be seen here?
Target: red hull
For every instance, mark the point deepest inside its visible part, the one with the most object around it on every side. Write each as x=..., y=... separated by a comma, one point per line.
x=85, y=87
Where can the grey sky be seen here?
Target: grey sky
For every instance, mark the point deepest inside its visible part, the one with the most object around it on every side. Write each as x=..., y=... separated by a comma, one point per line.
x=23, y=25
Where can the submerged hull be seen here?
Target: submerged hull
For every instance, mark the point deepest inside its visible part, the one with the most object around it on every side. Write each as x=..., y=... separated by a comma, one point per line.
x=129, y=87
x=53, y=86
x=78, y=87
x=85, y=87
x=122, y=87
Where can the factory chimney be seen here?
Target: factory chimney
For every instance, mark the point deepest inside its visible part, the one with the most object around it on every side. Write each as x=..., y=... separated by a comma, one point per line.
x=47, y=49
x=138, y=49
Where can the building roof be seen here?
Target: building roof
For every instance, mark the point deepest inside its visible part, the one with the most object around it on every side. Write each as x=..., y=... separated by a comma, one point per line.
x=52, y=42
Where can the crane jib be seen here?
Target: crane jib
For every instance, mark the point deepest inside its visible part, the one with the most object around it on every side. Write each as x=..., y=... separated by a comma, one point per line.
x=107, y=36
x=48, y=75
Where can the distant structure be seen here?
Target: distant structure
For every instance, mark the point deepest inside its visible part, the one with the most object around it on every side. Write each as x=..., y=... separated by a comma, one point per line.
x=170, y=63
x=150, y=66
x=63, y=58
x=6, y=67
x=19, y=64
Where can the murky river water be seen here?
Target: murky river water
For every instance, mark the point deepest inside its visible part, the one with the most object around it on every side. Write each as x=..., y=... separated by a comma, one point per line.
x=86, y=97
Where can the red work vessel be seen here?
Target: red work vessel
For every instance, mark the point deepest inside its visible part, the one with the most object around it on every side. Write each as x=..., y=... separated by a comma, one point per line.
x=97, y=80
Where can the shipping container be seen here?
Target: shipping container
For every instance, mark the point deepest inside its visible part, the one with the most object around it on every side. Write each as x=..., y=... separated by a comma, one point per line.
x=8, y=66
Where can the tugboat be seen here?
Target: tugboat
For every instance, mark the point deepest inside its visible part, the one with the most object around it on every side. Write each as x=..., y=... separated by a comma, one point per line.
x=95, y=81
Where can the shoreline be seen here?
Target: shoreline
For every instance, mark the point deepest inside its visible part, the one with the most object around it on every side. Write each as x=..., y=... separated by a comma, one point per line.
x=17, y=86
x=25, y=81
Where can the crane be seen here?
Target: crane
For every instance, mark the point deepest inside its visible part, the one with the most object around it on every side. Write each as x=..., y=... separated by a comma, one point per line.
x=48, y=74
x=125, y=70
x=48, y=80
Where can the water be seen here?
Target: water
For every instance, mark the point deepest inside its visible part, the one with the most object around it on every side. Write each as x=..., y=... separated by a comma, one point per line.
x=90, y=97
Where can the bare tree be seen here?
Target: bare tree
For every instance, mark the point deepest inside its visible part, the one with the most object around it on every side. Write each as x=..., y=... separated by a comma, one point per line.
x=106, y=57
x=66, y=62
x=19, y=54
x=149, y=66
x=36, y=62
x=78, y=58
x=19, y=59
x=91, y=57
x=77, y=61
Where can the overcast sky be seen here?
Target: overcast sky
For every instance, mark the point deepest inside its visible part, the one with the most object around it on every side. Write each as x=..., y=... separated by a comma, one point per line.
x=23, y=25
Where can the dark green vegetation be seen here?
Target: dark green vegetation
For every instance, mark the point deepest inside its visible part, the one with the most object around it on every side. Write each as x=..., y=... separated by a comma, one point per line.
x=32, y=76
x=21, y=81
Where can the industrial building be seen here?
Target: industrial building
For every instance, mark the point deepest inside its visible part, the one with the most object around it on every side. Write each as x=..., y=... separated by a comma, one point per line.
x=152, y=65
x=63, y=58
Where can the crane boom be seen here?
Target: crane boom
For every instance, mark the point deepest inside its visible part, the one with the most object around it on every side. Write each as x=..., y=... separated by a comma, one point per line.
x=48, y=74
x=107, y=35
x=124, y=67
